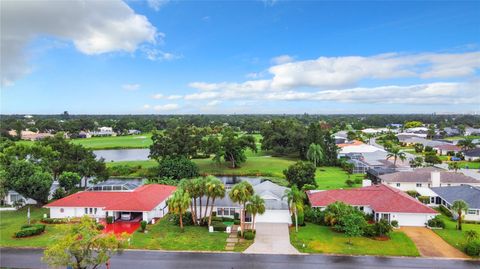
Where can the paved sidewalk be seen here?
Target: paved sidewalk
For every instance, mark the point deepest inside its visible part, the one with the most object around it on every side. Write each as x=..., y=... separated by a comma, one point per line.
x=272, y=238
x=429, y=244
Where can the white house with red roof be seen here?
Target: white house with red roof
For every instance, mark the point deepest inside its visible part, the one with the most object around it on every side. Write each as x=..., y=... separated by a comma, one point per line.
x=383, y=201
x=146, y=202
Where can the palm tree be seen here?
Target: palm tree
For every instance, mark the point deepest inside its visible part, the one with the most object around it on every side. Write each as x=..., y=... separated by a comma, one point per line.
x=453, y=166
x=179, y=203
x=459, y=206
x=466, y=144
x=295, y=199
x=241, y=193
x=199, y=191
x=396, y=152
x=206, y=182
x=255, y=206
x=369, y=137
x=315, y=154
x=215, y=189
x=189, y=186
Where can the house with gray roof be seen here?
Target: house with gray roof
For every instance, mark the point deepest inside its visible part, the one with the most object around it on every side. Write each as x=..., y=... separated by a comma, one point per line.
x=276, y=205
x=426, y=177
x=470, y=194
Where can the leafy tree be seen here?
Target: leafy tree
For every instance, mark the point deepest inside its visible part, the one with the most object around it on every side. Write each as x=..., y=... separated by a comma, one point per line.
x=453, y=166
x=68, y=180
x=59, y=193
x=353, y=225
x=315, y=154
x=83, y=245
x=466, y=144
x=241, y=193
x=459, y=206
x=182, y=141
x=349, y=182
x=283, y=136
x=179, y=203
x=412, y=124
x=351, y=135
x=231, y=147
x=396, y=153
x=3, y=185
x=431, y=131
x=432, y=158
x=176, y=168
x=418, y=147
x=255, y=206
x=300, y=173
x=295, y=199
x=29, y=180
x=214, y=189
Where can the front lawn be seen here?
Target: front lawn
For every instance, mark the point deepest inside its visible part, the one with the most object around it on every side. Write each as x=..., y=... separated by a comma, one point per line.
x=321, y=239
x=11, y=221
x=453, y=236
x=168, y=236
x=328, y=178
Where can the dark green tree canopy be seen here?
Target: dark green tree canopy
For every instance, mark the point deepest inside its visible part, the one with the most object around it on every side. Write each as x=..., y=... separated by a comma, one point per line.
x=301, y=173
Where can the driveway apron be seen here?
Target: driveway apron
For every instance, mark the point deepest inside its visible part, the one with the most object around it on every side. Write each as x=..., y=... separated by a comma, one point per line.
x=272, y=238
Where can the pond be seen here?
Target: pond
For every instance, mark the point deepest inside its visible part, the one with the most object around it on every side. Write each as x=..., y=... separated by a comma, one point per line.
x=232, y=180
x=120, y=155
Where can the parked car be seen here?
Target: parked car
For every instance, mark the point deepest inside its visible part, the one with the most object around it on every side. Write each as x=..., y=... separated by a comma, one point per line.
x=455, y=159
x=126, y=216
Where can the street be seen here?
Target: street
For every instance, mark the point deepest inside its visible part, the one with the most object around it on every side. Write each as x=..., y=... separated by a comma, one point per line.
x=31, y=258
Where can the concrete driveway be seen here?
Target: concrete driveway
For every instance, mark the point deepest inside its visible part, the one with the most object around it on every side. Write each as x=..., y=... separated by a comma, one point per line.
x=429, y=244
x=272, y=238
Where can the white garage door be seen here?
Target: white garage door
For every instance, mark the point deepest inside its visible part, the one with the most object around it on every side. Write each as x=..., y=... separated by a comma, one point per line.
x=411, y=219
x=274, y=216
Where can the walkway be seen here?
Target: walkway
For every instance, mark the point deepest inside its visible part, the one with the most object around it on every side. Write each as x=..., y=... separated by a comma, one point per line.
x=429, y=244
x=272, y=238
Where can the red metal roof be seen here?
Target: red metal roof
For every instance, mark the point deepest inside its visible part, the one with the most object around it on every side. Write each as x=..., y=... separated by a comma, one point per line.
x=144, y=198
x=381, y=198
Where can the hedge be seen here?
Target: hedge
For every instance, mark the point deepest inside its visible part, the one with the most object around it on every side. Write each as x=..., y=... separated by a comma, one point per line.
x=30, y=230
x=219, y=226
x=436, y=222
x=473, y=248
x=445, y=211
x=54, y=220
x=249, y=235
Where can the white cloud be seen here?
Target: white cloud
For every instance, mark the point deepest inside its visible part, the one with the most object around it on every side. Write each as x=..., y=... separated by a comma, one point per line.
x=282, y=59
x=155, y=54
x=157, y=96
x=157, y=4
x=213, y=103
x=168, y=97
x=146, y=106
x=174, y=97
x=94, y=27
x=166, y=107
x=131, y=87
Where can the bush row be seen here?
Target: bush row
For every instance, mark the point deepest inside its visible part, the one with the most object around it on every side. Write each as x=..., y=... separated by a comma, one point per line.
x=54, y=220
x=30, y=230
x=473, y=248
x=436, y=223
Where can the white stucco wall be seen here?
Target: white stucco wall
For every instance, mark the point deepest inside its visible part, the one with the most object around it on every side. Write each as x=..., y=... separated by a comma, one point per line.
x=72, y=212
x=412, y=186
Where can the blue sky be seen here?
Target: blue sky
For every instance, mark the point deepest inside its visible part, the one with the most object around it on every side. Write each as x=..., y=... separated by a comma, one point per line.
x=176, y=57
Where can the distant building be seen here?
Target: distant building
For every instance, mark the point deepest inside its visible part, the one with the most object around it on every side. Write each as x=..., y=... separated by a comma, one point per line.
x=470, y=194
x=104, y=131
x=134, y=132
x=29, y=135
x=472, y=154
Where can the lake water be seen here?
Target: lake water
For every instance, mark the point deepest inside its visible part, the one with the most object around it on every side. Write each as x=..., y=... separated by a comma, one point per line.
x=120, y=155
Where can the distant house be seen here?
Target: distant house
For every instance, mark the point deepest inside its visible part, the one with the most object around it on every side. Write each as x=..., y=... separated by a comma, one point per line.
x=426, y=177
x=417, y=130
x=146, y=202
x=472, y=154
x=412, y=140
x=447, y=195
x=448, y=131
x=104, y=131
x=443, y=149
x=375, y=131
x=83, y=134
x=472, y=131
x=14, y=197
x=29, y=135
x=134, y=132
x=382, y=201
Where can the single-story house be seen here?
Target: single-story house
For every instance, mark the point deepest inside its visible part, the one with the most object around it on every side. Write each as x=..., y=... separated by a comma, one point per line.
x=146, y=202
x=443, y=149
x=134, y=132
x=276, y=205
x=447, y=195
x=426, y=177
x=472, y=154
x=472, y=131
x=104, y=131
x=383, y=201
x=14, y=197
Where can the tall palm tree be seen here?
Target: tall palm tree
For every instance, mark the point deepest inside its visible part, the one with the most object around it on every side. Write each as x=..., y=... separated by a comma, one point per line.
x=178, y=204
x=206, y=182
x=466, y=144
x=189, y=186
x=315, y=154
x=396, y=153
x=459, y=206
x=215, y=189
x=255, y=206
x=295, y=199
x=241, y=193
x=199, y=184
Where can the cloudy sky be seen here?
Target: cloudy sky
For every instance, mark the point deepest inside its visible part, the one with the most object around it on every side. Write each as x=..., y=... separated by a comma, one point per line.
x=176, y=57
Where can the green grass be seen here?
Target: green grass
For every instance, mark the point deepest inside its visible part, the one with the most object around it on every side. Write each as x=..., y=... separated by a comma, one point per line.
x=462, y=137
x=328, y=178
x=321, y=239
x=11, y=221
x=167, y=236
x=453, y=236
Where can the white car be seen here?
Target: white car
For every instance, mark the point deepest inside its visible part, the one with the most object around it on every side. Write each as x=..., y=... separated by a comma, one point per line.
x=126, y=216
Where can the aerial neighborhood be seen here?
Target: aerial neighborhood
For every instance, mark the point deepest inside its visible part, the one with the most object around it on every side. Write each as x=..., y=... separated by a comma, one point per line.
x=234, y=187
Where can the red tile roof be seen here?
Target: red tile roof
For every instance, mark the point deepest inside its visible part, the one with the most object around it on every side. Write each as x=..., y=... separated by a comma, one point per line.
x=381, y=198
x=144, y=198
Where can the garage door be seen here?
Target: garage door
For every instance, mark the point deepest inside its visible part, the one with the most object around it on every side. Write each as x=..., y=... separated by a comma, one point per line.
x=411, y=219
x=274, y=216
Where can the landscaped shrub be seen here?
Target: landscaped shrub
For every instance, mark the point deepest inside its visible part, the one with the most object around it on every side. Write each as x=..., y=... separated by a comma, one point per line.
x=473, y=248
x=100, y=226
x=349, y=182
x=143, y=226
x=394, y=223
x=358, y=181
x=110, y=219
x=445, y=211
x=59, y=193
x=424, y=199
x=54, y=220
x=186, y=219
x=226, y=219
x=383, y=227
x=219, y=226
x=236, y=215
x=314, y=215
x=30, y=230
x=413, y=194
x=370, y=231
x=436, y=222
x=216, y=219
x=236, y=222
x=249, y=235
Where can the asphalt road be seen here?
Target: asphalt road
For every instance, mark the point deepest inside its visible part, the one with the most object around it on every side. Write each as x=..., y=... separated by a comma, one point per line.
x=30, y=258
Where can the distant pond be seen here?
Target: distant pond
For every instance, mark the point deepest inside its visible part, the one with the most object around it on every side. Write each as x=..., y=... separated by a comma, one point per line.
x=120, y=155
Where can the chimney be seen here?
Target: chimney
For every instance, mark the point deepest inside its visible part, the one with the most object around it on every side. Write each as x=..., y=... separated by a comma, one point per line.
x=366, y=183
x=435, y=178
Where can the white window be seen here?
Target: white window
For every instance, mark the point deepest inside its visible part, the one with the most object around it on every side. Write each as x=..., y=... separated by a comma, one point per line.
x=91, y=210
x=419, y=184
x=398, y=184
x=471, y=212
